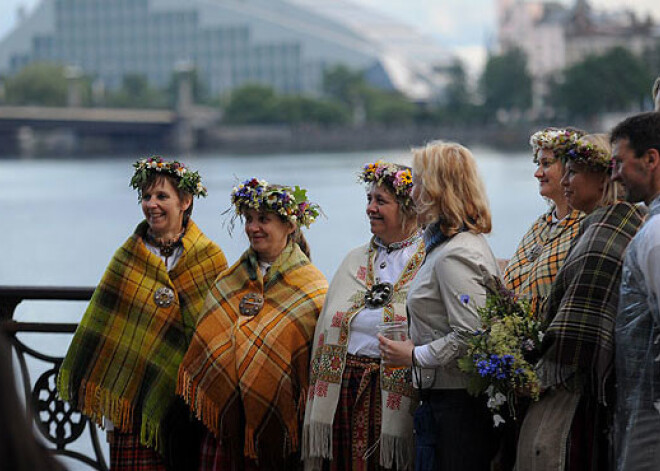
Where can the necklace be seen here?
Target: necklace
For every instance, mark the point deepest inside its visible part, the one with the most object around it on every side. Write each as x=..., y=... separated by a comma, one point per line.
x=389, y=248
x=398, y=245
x=166, y=247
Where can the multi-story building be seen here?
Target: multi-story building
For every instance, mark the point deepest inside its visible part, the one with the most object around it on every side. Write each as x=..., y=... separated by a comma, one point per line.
x=554, y=36
x=287, y=44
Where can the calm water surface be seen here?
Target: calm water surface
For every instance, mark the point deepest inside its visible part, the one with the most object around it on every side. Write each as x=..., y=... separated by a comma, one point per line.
x=62, y=219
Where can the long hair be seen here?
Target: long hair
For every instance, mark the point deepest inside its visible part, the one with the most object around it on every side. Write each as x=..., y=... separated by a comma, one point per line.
x=451, y=192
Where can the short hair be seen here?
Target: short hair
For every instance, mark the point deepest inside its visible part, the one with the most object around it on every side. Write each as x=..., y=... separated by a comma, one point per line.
x=155, y=177
x=642, y=131
x=451, y=192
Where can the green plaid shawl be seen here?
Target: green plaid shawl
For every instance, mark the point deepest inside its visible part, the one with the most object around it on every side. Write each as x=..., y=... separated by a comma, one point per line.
x=123, y=360
x=581, y=311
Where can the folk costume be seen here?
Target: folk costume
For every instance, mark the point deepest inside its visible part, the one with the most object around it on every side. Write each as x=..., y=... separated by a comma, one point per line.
x=567, y=428
x=246, y=372
x=540, y=255
x=355, y=404
x=124, y=357
x=542, y=250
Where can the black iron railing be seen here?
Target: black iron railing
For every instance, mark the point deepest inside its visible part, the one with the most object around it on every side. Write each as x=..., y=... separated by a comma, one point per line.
x=59, y=424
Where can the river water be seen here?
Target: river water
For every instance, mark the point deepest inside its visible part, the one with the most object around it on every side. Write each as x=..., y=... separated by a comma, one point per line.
x=62, y=219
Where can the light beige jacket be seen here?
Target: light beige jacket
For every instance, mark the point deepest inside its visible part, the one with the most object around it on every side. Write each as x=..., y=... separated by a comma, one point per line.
x=442, y=304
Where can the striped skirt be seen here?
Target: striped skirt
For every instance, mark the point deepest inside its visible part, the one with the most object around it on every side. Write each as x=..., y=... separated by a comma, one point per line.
x=356, y=427
x=127, y=454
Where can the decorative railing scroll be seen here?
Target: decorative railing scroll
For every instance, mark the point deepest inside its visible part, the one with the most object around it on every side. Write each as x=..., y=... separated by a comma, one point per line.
x=59, y=424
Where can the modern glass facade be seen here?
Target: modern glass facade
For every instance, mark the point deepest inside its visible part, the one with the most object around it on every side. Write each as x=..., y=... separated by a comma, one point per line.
x=230, y=42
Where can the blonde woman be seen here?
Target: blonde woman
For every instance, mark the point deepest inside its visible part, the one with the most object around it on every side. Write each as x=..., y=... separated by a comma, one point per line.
x=442, y=305
x=569, y=427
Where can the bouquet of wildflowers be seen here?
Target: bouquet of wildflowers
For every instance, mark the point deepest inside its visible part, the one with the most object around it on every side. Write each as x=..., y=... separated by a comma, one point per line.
x=502, y=353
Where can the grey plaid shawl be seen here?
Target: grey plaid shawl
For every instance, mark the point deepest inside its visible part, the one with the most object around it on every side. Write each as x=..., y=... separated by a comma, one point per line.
x=580, y=314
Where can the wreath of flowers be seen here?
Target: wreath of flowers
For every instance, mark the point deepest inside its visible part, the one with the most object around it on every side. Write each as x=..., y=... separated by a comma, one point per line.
x=586, y=153
x=188, y=180
x=290, y=203
x=557, y=140
x=397, y=177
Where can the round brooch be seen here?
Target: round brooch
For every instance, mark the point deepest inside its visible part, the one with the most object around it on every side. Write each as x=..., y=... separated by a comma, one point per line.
x=535, y=252
x=379, y=295
x=163, y=297
x=251, y=304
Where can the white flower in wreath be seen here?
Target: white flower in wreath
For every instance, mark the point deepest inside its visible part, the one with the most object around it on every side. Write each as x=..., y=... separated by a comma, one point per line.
x=498, y=420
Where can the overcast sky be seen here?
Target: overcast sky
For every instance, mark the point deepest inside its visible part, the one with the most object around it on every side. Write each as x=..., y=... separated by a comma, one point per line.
x=465, y=26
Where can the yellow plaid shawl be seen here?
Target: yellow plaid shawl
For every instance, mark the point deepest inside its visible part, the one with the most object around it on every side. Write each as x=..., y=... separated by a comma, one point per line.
x=259, y=363
x=124, y=356
x=539, y=256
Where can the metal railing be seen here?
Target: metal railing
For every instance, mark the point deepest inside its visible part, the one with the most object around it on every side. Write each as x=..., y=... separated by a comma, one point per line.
x=59, y=424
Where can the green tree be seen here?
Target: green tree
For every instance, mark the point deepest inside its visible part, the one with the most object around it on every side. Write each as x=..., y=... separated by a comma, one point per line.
x=252, y=103
x=298, y=109
x=346, y=85
x=39, y=83
x=136, y=92
x=614, y=81
x=388, y=107
x=505, y=82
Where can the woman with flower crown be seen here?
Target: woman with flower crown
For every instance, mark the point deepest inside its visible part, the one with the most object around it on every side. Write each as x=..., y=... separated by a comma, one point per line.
x=246, y=372
x=121, y=367
x=569, y=428
x=358, y=414
x=543, y=248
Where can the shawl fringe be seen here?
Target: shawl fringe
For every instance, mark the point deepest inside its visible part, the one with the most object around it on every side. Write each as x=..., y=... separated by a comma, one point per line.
x=317, y=442
x=397, y=452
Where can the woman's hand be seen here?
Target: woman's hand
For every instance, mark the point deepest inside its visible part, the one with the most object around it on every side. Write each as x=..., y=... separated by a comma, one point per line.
x=396, y=353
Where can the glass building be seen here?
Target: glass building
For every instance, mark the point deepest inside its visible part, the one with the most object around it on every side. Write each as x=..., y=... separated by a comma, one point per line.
x=286, y=44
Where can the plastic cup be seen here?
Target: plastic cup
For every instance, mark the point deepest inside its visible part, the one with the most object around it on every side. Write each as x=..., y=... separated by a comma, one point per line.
x=397, y=330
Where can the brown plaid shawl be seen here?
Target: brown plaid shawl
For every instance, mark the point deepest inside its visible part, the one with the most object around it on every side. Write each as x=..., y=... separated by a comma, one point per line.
x=123, y=359
x=540, y=255
x=582, y=306
x=258, y=363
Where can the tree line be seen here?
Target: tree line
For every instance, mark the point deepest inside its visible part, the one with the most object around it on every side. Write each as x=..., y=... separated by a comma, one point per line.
x=614, y=81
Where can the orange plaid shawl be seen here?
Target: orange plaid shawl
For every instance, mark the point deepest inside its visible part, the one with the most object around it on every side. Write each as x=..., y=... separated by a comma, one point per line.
x=259, y=363
x=124, y=356
x=539, y=256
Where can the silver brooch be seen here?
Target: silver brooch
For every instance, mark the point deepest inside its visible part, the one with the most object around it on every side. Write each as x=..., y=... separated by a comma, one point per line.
x=535, y=252
x=251, y=304
x=379, y=295
x=163, y=297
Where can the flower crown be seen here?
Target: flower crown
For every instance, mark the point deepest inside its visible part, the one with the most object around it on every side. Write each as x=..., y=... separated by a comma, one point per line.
x=189, y=181
x=557, y=140
x=586, y=153
x=397, y=177
x=290, y=203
